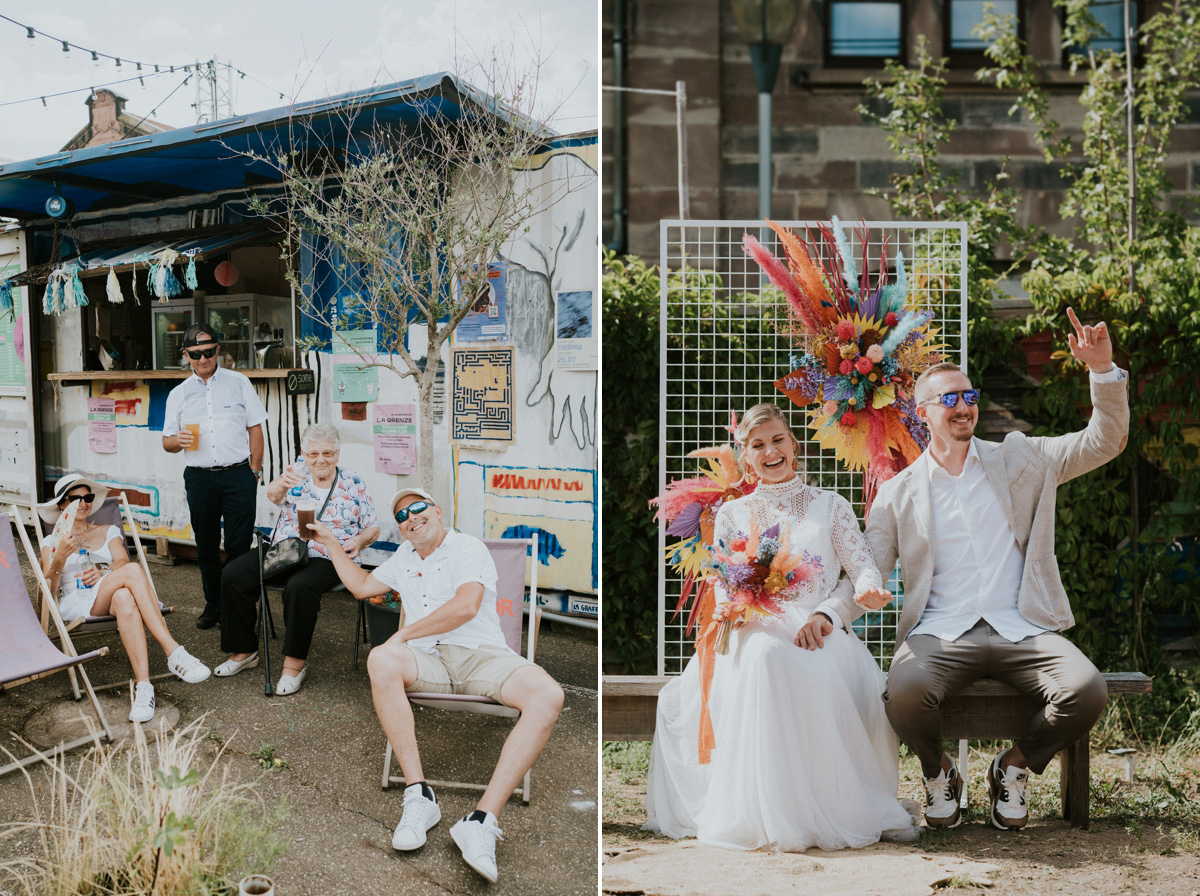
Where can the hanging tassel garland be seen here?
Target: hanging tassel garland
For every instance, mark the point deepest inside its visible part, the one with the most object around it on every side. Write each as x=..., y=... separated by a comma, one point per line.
x=78, y=294
x=6, y=300
x=113, y=288
x=189, y=278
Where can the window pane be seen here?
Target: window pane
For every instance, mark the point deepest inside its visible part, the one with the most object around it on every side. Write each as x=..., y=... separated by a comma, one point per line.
x=1111, y=16
x=966, y=14
x=864, y=29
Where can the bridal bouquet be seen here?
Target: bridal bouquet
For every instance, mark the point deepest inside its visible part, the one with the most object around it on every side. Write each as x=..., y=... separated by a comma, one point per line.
x=760, y=572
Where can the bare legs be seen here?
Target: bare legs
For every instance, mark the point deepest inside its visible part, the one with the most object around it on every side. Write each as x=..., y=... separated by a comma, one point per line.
x=530, y=689
x=125, y=593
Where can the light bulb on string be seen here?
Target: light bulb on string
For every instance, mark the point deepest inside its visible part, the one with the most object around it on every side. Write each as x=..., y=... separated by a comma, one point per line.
x=30, y=34
x=118, y=62
x=66, y=47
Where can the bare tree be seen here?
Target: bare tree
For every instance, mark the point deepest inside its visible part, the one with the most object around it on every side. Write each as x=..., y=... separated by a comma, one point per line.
x=405, y=215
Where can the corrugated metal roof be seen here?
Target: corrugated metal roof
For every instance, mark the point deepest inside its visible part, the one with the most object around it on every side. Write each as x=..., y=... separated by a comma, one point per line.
x=209, y=157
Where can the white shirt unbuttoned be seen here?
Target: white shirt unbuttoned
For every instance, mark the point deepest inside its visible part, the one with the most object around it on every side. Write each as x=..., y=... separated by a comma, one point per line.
x=425, y=584
x=977, y=564
x=225, y=407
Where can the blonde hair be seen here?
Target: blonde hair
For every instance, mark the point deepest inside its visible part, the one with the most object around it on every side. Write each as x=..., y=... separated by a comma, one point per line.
x=756, y=417
x=920, y=389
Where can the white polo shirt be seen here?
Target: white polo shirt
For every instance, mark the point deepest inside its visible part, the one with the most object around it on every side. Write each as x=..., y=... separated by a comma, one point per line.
x=425, y=584
x=225, y=407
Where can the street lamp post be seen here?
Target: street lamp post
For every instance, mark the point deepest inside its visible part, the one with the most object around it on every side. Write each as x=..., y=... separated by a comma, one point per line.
x=765, y=25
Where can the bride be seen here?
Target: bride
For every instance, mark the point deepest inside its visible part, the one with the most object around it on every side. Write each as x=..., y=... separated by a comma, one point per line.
x=804, y=755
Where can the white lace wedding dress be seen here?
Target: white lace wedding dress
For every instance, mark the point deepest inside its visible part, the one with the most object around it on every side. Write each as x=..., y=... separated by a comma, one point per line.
x=804, y=754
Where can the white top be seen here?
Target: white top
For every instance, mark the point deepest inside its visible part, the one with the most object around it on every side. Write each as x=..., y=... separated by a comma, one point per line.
x=225, y=407
x=75, y=602
x=429, y=583
x=977, y=564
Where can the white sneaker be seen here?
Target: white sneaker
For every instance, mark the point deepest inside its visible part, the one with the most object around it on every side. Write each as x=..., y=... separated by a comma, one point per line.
x=143, y=702
x=419, y=815
x=477, y=840
x=943, y=796
x=186, y=666
x=1006, y=788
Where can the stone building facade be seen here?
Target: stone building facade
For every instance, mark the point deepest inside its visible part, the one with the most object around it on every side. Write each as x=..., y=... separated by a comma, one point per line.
x=826, y=153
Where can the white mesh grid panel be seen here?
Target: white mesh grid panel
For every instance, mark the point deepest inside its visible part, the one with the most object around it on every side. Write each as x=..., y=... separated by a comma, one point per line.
x=721, y=351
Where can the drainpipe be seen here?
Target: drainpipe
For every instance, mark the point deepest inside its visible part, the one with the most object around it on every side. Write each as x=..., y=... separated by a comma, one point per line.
x=620, y=209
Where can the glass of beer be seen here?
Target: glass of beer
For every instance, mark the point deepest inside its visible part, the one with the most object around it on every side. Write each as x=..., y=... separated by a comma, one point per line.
x=305, y=509
x=194, y=429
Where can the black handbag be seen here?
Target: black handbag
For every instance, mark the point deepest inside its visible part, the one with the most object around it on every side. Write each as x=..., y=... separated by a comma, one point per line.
x=285, y=557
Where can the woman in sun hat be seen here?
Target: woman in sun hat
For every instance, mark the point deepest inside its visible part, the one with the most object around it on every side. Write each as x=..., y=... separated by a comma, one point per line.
x=104, y=582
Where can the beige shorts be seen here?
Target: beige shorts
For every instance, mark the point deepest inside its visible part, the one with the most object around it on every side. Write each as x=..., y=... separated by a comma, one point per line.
x=479, y=671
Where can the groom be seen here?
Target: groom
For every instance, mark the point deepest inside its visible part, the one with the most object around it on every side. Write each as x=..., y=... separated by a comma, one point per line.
x=972, y=523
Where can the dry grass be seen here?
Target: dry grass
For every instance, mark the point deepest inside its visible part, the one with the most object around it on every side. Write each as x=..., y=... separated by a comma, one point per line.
x=155, y=818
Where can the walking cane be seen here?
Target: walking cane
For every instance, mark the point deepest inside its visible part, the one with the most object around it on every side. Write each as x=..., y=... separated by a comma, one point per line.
x=265, y=620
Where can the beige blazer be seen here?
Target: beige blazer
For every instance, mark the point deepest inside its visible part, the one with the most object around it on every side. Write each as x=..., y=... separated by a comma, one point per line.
x=1025, y=473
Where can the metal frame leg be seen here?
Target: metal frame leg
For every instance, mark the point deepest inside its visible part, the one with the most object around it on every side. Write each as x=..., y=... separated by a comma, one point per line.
x=265, y=622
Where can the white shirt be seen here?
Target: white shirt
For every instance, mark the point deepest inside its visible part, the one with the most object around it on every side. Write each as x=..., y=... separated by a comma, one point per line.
x=977, y=564
x=225, y=407
x=425, y=584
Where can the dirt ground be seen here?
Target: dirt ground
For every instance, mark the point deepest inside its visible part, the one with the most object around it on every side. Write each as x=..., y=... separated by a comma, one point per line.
x=1125, y=851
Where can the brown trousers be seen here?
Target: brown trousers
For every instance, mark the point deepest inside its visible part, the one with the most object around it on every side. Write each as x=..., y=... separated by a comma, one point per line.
x=1046, y=667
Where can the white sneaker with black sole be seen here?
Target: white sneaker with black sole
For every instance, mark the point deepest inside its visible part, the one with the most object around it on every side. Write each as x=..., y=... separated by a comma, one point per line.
x=419, y=815
x=477, y=840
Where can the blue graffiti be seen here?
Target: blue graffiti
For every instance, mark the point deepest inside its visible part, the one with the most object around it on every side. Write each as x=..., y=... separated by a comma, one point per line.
x=548, y=543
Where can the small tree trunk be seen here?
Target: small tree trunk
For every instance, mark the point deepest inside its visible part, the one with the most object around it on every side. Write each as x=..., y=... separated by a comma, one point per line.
x=425, y=383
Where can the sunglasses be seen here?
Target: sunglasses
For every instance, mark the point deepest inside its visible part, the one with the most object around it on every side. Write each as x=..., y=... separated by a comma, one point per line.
x=950, y=399
x=86, y=499
x=202, y=353
x=415, y=507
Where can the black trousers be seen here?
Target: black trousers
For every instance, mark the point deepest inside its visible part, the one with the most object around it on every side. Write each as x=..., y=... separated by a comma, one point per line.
x=301, y=603
x=213, y=495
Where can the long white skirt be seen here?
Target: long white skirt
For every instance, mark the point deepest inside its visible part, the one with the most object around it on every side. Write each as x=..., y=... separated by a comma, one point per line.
x=804, y=753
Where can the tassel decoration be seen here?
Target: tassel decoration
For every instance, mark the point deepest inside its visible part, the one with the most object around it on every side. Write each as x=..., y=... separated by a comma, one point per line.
x=189, y=277
x=113, y=288
x=78, y=294
x=6, y=300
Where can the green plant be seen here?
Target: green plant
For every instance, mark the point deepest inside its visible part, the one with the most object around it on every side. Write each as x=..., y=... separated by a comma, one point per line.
x=148, y=820
x=265, y=756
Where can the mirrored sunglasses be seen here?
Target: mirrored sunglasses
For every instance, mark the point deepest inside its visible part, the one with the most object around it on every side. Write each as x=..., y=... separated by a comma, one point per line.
x=950, y=399
x=201, y=353
x=415, y=507
x=86, y=499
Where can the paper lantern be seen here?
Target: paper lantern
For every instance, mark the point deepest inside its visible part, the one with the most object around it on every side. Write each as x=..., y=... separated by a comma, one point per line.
x=227, y=273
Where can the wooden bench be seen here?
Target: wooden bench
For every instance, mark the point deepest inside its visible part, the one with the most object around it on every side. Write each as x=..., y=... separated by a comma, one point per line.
x=987, y=710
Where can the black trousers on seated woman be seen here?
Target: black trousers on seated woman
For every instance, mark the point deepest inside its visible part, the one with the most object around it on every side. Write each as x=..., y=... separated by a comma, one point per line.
x=302, y=592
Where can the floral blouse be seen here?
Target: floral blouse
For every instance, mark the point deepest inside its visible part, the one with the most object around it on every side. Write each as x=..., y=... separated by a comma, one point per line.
x=349, y=512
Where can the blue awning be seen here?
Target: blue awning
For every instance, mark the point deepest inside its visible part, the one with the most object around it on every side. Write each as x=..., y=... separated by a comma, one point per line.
x=210, y=157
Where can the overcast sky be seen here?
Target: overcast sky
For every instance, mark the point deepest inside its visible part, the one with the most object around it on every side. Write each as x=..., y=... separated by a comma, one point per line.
x=302, y=49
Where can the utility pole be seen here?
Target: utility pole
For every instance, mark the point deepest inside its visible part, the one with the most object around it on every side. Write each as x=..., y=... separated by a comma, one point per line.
x=214, y=99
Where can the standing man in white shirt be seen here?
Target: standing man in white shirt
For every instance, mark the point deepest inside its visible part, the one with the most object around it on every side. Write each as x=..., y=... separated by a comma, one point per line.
x=224, y=467
x=972, y=523
x=451, y=643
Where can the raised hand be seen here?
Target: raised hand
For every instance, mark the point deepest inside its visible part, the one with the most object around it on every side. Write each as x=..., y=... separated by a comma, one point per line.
x=874, y=598
x=1090, y=345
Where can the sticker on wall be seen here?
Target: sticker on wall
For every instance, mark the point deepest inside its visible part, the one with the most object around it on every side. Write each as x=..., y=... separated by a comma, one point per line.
x=564, y=546
x=395, y=432
x=481, y=413
x=352, y=381
x=547, y=484
x=102, y=426
x=487, y=321
x=575, y=340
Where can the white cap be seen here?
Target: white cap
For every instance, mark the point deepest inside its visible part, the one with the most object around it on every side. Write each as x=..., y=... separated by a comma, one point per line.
x=405, y=492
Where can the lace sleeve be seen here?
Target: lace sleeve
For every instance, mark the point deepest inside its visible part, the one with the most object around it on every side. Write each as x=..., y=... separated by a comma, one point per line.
x=724, y=531
x=852, y=549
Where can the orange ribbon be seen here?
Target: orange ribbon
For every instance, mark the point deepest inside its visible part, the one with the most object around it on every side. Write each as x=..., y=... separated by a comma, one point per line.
x=706, y=644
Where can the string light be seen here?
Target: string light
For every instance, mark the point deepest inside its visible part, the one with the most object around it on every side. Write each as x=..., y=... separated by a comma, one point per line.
x=66, y=47
x=30, y=35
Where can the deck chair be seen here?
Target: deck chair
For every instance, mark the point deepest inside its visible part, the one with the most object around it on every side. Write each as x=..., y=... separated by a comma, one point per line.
x=114, y=511
x=26, y=653
x=510, y=556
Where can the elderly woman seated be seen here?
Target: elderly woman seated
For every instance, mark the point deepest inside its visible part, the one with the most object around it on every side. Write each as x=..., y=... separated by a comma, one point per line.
x=90, y=572
x=346, y=509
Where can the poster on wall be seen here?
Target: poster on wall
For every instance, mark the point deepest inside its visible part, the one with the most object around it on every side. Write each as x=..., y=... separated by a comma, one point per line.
x=487, y=321
x=12, y=341
x=130, y=398
x=481, y=407
x=565, y=549
x=102, y=426
x=395, y=434
x=351, y=380
x=575, y=341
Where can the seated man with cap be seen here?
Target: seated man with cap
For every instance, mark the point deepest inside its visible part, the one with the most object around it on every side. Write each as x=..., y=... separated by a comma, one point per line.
x=451, y=642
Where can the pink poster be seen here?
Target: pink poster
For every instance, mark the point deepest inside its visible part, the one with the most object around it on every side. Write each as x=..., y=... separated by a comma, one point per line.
x=395, y=430
x=102, y=425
